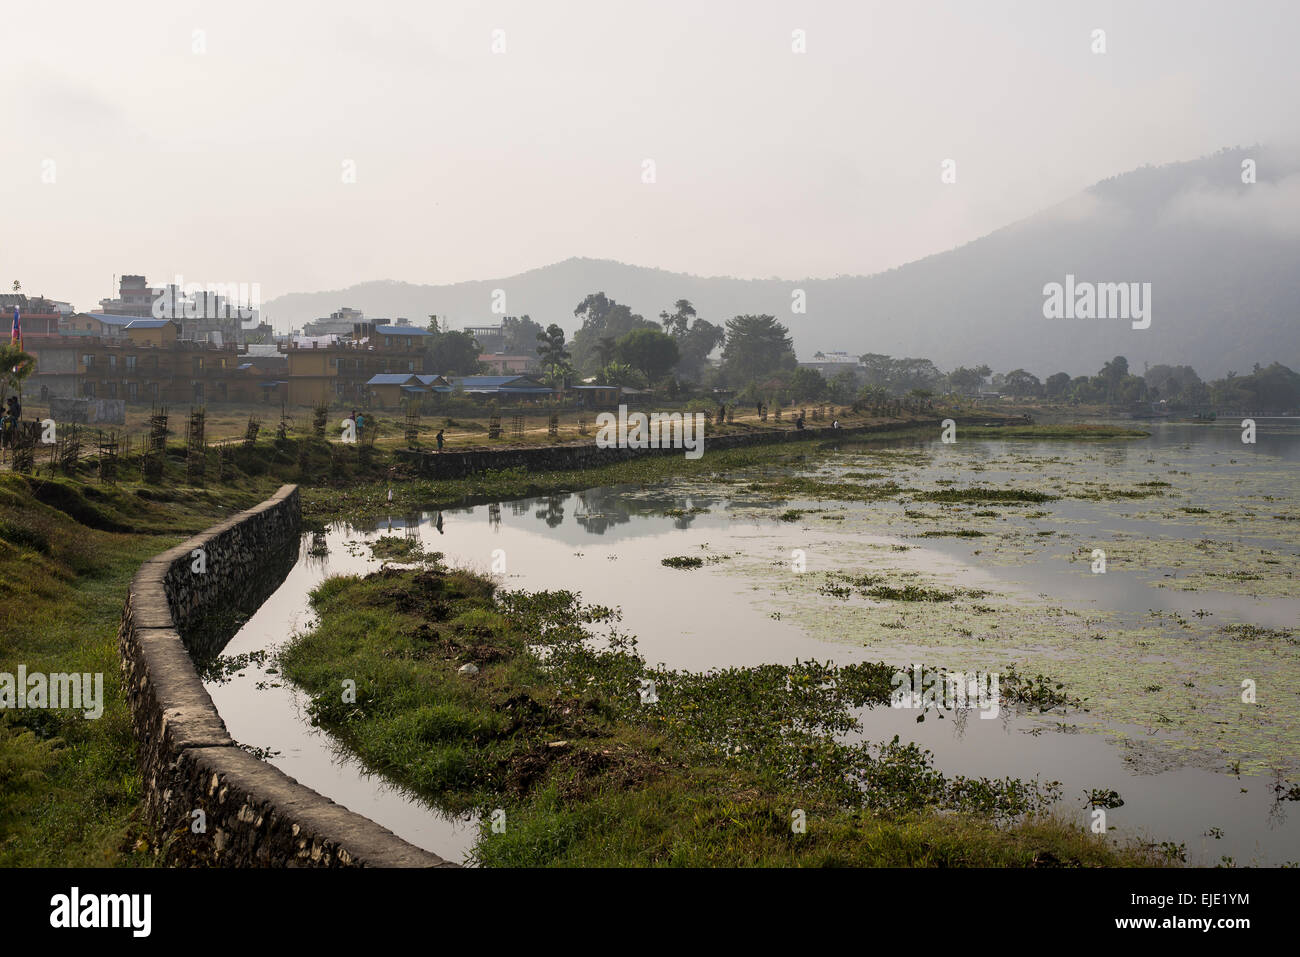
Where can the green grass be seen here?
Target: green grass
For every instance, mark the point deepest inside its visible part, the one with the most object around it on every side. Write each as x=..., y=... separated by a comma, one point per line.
x=69, y=787
x=562, y=732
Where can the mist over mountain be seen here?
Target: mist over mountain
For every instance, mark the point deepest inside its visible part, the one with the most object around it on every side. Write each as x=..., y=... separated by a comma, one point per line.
x=1222, y=257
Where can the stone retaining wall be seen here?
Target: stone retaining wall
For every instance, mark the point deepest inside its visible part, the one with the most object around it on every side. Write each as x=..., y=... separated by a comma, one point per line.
x=253, y=814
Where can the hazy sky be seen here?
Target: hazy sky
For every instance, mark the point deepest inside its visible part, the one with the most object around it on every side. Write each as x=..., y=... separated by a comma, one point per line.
x=227, y=165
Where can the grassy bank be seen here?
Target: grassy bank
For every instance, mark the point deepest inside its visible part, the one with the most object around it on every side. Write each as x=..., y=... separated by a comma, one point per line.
x=69, y=787
x=596, y=759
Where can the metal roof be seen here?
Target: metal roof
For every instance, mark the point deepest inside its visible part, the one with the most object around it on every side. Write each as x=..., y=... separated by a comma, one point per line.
x=118, y=320
x=402, y=331
x=492, y=381
x=391, y=378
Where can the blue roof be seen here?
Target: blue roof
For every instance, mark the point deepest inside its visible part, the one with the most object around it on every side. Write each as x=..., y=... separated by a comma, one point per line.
x=428, y=379
x=118, y=320
x=490, y=381
x=391, y=378
x=402, y=331
x=147, y=323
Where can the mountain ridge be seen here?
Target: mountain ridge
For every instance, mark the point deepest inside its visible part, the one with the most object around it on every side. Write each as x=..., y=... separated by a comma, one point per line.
x=1223, y=258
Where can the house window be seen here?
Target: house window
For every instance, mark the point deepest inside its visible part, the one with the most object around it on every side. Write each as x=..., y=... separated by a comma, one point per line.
x=130, y=363
x=88, y=361
x=112, y=362
x=132, y=389
x=88, y=390
x=153, y=389
x=112, y=390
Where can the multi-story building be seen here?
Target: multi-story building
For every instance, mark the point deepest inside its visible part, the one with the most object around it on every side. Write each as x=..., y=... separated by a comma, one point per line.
x=502, y=364
x=139, y=359
x=490, y=339
x=135, y=298
x=338, y=323
x=335, y=369
x=39, y=316
x=831, y=364
x=144, y=362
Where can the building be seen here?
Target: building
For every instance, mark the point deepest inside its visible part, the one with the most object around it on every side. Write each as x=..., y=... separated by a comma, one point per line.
x=831, y=364
x=135, y=298
x=144, y=362
x=203, y=314
x=104, y=325
x=386, y=390
x=502, y=364
x=334, y=369
x=393, y=337
x=338, y=323
x=39, y=316
x=490, y=339
x=596, y=396
x=512, y=387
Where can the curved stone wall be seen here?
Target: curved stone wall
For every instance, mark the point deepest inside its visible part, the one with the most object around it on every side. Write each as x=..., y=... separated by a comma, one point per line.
x=210, y=802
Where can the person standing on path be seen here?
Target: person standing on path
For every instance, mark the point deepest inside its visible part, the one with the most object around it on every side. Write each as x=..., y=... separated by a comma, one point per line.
x=439, y=437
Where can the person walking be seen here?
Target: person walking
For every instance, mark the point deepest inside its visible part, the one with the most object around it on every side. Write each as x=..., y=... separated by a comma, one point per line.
x=439, y=438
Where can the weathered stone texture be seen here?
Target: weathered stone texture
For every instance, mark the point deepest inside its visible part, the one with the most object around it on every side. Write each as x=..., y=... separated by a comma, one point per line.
x=254, y=815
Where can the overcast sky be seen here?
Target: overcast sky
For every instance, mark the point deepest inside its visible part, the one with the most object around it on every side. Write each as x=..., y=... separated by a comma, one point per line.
x=228, y=165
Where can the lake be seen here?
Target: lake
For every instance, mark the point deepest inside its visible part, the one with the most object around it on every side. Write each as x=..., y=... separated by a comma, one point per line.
x=1201, y=542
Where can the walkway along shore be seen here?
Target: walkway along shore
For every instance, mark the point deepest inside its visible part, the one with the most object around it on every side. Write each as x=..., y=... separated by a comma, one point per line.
x=460, y=463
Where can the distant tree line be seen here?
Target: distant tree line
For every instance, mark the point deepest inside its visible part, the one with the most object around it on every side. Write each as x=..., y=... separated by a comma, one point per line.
x=756, y=361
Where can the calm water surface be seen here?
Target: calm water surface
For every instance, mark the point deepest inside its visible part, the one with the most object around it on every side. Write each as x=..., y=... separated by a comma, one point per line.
x=607, y=544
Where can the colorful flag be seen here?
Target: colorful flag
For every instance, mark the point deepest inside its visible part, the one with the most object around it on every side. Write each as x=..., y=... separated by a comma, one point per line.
x=16, y=336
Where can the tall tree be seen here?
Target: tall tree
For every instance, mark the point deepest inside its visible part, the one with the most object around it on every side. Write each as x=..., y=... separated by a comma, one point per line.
x=652, y=352
x=677, y=322
x=605, y=349
x=454, y=352
x=551, y=349
x=602, y=317
x=756, y=346
x=519, y=335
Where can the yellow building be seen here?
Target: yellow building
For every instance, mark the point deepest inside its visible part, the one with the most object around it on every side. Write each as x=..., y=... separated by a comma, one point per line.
x=157, y=333
x=386, y=390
